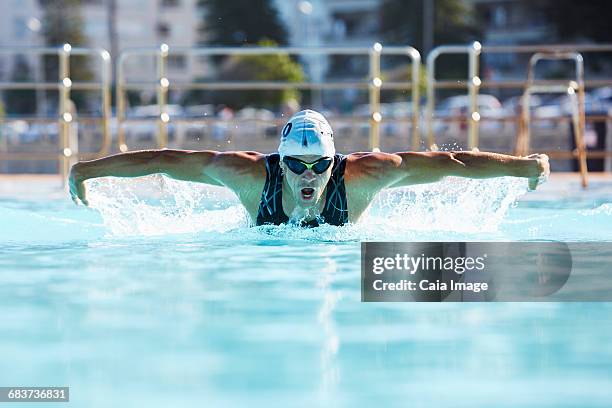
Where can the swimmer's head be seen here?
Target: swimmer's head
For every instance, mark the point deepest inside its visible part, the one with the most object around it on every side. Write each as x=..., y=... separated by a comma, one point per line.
x=307, y=133
x=307, y=156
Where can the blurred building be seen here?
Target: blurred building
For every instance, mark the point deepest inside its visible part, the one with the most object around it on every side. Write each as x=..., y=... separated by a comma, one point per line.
x=20, y=26
x=329, y=23
x=173, y=22
x=146, y=23
x=515, y=21
x=512, y=22
x=353, y=22
x=139, y=23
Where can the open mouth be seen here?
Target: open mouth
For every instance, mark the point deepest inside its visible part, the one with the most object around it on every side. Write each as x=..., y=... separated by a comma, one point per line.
x=307, y=193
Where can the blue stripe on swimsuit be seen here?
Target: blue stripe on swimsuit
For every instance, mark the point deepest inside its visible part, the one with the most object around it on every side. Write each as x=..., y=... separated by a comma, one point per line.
x=335, y=211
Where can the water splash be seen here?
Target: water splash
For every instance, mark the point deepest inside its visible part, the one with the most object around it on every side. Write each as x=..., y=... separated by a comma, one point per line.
x=603, y=209
x=157, y=205
x=455, y=204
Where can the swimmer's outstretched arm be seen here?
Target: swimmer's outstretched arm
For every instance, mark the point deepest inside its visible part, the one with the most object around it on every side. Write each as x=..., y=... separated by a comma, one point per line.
x=216, y=168
x=425, y=167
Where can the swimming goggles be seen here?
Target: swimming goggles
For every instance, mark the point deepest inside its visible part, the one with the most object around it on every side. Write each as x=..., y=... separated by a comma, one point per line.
x=298, y=167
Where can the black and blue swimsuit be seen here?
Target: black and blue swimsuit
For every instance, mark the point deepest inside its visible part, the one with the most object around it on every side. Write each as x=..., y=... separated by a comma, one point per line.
x=335, y=211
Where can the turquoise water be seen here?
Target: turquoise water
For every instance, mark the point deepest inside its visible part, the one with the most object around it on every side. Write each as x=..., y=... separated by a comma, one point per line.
x=162, y=295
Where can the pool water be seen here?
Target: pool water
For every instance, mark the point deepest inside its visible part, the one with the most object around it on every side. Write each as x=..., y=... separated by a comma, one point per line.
x=162, y=295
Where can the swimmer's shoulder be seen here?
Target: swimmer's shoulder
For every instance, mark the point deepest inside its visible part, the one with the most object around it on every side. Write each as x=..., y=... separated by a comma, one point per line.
x=238, y=167
x=362, y=166
x=244, y=172
x=364, y=176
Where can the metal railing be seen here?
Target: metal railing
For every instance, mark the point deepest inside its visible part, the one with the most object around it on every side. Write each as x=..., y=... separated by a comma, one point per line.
x=473, y=51
x=577, y=105
x=374, y=82
x=67, y=119
x=474, y=83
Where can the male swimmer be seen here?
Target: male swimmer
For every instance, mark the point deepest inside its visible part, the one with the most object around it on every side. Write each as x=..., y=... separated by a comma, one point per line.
x=307, y=182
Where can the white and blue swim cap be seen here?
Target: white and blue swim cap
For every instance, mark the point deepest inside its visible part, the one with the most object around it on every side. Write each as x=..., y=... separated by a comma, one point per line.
x=307, y=133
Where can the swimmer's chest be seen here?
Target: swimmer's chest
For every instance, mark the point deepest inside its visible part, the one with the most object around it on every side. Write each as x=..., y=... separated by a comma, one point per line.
x=358, y=197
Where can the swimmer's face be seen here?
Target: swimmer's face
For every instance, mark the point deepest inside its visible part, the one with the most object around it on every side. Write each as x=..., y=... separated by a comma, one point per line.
x=307, y=187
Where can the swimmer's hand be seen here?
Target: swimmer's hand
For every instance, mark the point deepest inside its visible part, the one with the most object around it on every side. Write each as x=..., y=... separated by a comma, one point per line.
x=76, y=182
x=541, y=170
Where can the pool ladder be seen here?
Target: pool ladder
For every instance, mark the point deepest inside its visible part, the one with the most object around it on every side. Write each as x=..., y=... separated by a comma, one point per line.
x=573, y=88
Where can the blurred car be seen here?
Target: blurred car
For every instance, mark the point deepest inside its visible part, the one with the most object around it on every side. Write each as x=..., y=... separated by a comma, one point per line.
x=36, y=132
x=457, y=107
x=194, y=127
x=513, y=109
x=547, y=115
x=604, y=96
x=261, y=120
x=392, y=113
x=513, y=106
x=392, y=110
x=591, y=104
x=14, y=132
x=142, y=122
x=255, y=114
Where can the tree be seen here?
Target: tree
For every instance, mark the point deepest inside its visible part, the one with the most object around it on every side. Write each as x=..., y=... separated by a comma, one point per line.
x=241, y=22
x=402, y=22
x=454, y=23
x=21, y=101
x=275, y=67
x=587, y=19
